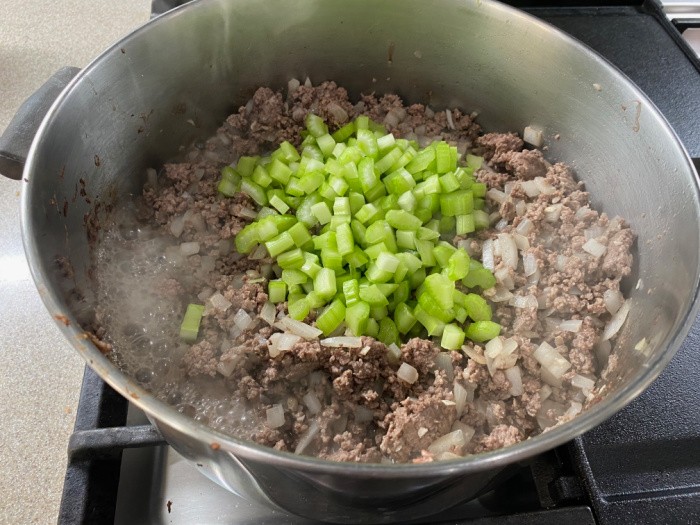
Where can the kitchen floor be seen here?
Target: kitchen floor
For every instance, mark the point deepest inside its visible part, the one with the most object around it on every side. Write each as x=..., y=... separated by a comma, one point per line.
x=40, y=374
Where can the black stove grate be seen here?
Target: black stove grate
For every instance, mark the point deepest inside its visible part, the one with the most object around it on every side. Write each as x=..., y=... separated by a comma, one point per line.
x=641, y=466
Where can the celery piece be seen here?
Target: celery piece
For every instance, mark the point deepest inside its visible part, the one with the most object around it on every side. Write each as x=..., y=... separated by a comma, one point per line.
x=452, y=337
x=372, y=295
x=267, y=230
x=279, y=244
x=324, y=283
x=367, y=174
x=278, y=204
x=294, y=187
x=315, y=125
x=402, y=292
x=441, y=288
x=482, y=331
x=325, y=240
x=341, y=206
x=331, y=317
x=432, y=324
x=374, y=250
x=412, y=262
x=331, y=259
x=350, y=155
x=372, y=328
x=367, y=142
x=473, y=161
x=261, y=177
x=315, y=300
x=326, y=143
x=351, y=291
x=426, y=234
x=406, y=239
x=362, y=122
x=465, y=179
x=339, y=185
x=388, y=160
x=424, y=160
x=385, y=142
x=387, y=262
x=338, y=220
x=277, y=291
x=279, y=171
x=288, y=152
x=357, y=200
x=247, y=238
x=300, y=234
x=402, y=220
x=399, y=181
x=449, y=182
x=416, y=278
x=356, y=317
x=481, y=219
x=367, y=213
x=310, y=266
x=344, y=133
x=479, y=203
x=408, y=202
x=357, y=258
x=344, y=238
x=388, y=333
x=189, y=329
x=443, y=158
x=477, y=307
x=292, y=277
x=376, y=192
x=311, y=181
x=299, y=309
x=479, y=189
x=246, y=165
x=458, y=265
x=478, y=276
x=377, y=312
x=376, y=275
x=465, y=224
x=227, y=188
x=322, y=212
x=404, y=318
x=291, y=260
x=460, y=313
x=254, y=191
x=358, y=231
x=425, y=251
x=460, y=202
x=432, y=307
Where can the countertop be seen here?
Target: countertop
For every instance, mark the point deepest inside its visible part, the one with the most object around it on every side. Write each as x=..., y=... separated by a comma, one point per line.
x=40, y=373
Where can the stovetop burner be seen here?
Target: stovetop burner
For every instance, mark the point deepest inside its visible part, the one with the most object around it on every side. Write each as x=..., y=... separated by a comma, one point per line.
x=641, y=466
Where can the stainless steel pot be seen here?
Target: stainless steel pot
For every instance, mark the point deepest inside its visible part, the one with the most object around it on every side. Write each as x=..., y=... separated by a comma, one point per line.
x=177, y=77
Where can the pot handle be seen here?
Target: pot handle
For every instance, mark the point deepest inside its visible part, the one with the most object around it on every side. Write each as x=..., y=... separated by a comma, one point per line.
x=18, y=137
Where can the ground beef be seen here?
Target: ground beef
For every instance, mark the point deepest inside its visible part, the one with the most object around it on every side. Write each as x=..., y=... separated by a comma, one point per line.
x=368, y=414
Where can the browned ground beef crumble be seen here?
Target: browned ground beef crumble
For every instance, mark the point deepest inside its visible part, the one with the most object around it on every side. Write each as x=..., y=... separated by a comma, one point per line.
x=368, y=414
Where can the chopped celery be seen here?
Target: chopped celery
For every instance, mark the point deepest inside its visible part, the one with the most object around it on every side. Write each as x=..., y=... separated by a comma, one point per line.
x=189, y=329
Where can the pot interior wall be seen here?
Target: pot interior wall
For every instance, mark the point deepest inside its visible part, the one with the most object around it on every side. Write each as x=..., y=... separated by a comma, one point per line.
x=176, y=79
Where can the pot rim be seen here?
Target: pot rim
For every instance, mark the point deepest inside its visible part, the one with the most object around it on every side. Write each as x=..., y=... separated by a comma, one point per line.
x=169, y=416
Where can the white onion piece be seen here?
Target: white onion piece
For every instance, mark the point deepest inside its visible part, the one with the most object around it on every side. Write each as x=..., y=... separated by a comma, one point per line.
x=509, y=250
x=549, y=412
x=498, y=294
x=443, y=361
x=552, y=213
x=467, y=430
x=582, y=212
x=520, y=208
x=593, y=232
x=530, y=188
x=247, y=213
x=496, y=195
x=268, y=313
x=525, y=227
x=545, y=392
x=207, y=263
x=544, y=186
x=525, y=301
x=292, y=86
x=515, y=379
x=551, y=360
x=560, y=264
x=501, y=225
x=339, y=114
x=504, y=278
x=473, y=354
x=521, y=241
x=312, y=403
x=616, y=322
x=219, y=302
x=460, y=395
x=487, y=258
x=573, y=410
x=445, y=443
x=344, y=342
x=307, y=438
x=393, y=354
x=450, y=123
x=494, y=347
x=571, y=325
x=533, y=136
x=407, y=373
x=282, y=342
x=226, y=366
x=275, y=416
x=613, y=300
x=189, y=248
x=446, y=456
x=205, y=294
x=259, y=253
x=593, y=247
x=298, y=328
x=582, y=382
x=602, y=353
x=529, y=263
x=177, y=226
x=242, y=320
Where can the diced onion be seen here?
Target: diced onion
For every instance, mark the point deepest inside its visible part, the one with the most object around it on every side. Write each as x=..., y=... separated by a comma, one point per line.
x=593, y=247
x=560, y=264
x=552, y=213
x=602, y=353
x=496, y=195
x=544, y=186
x=275, y=416
x=298, y=328
x=594, y=232
x=407, y=373
x=549, y=412
x=292, y=86
x=529, y=263
x=525, y=301
x=508, y=249
x=307, y=438
x=189, y=248
x=473, y=354
x=520, y=208
x=571, y=325
x=582, y=382
x=545, y=392
x=443, y=361
x=259, y=253
x=242, y=320
x=525, y=227
x=247, y=213
x=616, y=322
x=487, y=258
x=312, y=403
x=582, y=212
x=177, y=226
x=219, y=302
x=450, y=123
x=393, y=354
x=467, y=430
x=551, y=360
x=530, y=188
x=344, y=342
x=521, y=241
x=573, y=410
x=613, y=300
x=533, y=136
x=515, y=379
x=282, y=342
x=454, y=439
x=498, y=294
x=268, y=313
x=460, y=395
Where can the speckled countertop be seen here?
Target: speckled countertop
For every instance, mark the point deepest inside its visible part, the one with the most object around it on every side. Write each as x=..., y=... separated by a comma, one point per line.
x=40, y=374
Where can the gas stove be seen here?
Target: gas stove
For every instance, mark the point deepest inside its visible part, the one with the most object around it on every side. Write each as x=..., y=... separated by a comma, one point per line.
x=641, y=466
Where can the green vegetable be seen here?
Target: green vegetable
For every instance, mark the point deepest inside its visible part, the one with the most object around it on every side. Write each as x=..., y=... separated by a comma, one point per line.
x=189, y=329
x=354, y=222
